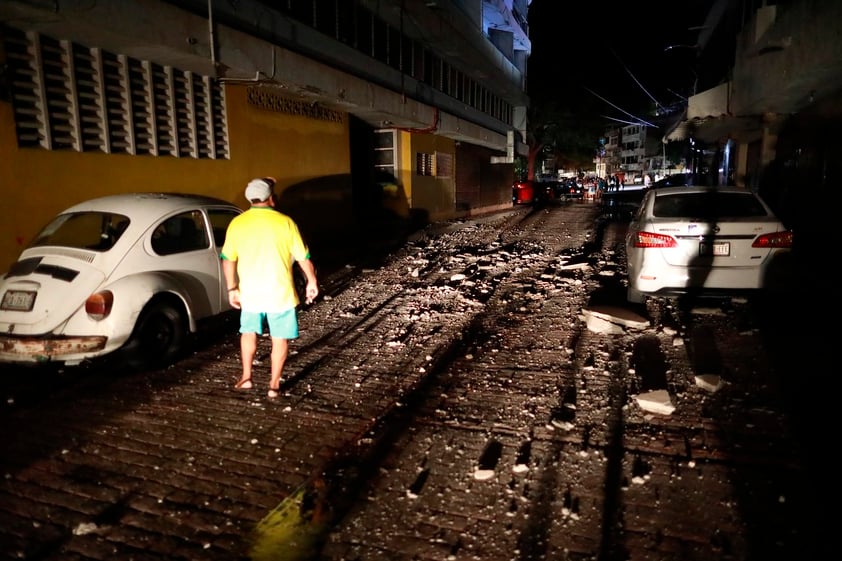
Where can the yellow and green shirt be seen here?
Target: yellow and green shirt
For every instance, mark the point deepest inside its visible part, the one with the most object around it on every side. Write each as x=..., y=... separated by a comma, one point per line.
x=265, y=243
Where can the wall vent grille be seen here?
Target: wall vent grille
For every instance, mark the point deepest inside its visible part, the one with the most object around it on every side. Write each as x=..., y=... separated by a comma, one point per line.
x=70, y=97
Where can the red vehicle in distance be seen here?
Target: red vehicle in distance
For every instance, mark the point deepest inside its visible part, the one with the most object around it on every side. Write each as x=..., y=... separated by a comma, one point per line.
x=529, y=192
x=523, y=192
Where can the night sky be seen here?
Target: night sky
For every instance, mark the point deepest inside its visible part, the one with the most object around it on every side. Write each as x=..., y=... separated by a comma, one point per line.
x=603, y=58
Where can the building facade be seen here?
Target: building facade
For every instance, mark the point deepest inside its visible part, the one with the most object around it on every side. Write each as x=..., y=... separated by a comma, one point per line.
x=772, y=122
x=362, y=108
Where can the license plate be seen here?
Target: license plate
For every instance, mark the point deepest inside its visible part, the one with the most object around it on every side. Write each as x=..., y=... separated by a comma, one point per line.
x=717, y=249
x=18, y=300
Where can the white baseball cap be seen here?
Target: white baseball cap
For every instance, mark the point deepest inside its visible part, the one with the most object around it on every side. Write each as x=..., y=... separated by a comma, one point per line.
x=260, y=189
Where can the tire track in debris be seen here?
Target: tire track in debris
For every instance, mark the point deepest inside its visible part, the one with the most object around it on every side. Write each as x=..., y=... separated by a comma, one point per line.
x=487, y=416
x=441, y=286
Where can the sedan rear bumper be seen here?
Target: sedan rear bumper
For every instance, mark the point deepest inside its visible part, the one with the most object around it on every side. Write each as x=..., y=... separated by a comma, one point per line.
x=675, y=280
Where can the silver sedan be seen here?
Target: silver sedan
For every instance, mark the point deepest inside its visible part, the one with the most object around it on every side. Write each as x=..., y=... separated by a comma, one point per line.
x=704, y=241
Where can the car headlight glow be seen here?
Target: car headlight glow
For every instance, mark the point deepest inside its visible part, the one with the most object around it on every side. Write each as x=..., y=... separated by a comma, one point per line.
x=98, y=305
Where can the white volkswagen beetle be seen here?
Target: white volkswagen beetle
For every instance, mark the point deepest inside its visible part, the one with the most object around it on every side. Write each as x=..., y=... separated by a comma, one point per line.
x=136, y=272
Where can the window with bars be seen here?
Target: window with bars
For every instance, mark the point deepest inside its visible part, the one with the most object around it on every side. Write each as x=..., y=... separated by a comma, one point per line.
x=438, y=164
x=423, y=164
x=70, y=97
x=443, y=164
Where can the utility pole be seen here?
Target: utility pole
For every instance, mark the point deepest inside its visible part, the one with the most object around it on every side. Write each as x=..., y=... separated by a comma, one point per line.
x=664, y=157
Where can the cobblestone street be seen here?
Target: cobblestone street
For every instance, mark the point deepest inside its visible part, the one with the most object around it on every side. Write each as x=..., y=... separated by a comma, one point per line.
x=450, y=405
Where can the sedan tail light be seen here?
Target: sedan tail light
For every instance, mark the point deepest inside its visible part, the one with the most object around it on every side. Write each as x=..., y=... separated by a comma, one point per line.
x=653, y=240
x=774, y=240
x=98, y=305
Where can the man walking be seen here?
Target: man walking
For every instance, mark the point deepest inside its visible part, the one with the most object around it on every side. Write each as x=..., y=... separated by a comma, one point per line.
x=261, y=247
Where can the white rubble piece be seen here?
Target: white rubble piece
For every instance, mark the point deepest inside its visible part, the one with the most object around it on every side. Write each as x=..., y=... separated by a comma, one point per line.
x=612, y=320
x=483, y=474
x=709, y=382
x=574, y=266
x=657, y=401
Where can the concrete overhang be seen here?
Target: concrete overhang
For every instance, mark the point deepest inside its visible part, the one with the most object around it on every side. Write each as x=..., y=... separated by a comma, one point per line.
x=708, y=116
x=713, y=128
x=134, y=28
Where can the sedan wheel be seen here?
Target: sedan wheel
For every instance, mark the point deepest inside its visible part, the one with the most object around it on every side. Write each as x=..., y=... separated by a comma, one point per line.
x=635, y=296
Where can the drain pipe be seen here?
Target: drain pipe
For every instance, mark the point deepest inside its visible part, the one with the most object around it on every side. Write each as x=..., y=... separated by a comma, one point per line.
x=210, y=35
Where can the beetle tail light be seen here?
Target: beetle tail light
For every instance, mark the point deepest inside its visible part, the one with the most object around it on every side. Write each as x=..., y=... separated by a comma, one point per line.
x=98, y=305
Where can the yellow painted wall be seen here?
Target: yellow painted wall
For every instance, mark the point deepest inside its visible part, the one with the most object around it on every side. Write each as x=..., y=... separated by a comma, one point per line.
x=309, y=157
x=434, y=196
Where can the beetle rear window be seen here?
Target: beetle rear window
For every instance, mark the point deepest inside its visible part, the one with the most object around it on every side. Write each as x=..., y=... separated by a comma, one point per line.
x=98, y=231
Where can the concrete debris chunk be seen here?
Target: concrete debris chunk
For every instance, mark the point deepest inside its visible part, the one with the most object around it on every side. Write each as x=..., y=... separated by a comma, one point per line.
x=612, y=320
x=709, y=382
x=483, y=474
x=657, y=401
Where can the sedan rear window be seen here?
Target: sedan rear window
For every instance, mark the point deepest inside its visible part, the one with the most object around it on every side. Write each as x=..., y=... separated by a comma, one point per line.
x=708, y=205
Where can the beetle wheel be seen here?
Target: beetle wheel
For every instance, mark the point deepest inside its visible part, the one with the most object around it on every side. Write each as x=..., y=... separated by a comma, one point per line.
x=158, y=338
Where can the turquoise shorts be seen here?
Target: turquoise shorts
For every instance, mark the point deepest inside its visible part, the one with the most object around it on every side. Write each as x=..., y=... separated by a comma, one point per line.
x=283, y=325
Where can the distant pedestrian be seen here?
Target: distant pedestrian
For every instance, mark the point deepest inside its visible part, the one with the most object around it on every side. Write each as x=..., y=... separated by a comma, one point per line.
x=261, y=247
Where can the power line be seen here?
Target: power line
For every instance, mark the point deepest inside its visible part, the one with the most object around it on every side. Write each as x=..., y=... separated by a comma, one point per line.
x=639, y=120
x=622, y=120
x=636, y=81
